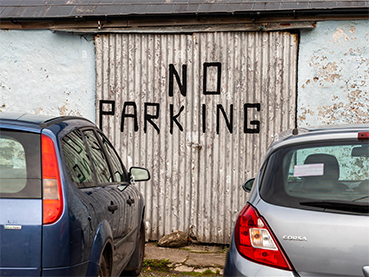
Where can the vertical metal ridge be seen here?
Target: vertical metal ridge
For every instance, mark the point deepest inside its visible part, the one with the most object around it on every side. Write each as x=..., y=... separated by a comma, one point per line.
x=196, y=176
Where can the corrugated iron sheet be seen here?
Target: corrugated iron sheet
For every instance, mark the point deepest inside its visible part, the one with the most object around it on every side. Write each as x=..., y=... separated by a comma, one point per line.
x=199, y=112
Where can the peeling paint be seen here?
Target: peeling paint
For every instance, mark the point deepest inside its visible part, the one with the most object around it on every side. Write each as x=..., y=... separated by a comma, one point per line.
x=329, y=72
x=338, y=35
x=43, y=72
x=333, y=74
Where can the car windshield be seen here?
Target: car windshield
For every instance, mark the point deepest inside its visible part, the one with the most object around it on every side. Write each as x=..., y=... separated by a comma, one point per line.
x=323, y=175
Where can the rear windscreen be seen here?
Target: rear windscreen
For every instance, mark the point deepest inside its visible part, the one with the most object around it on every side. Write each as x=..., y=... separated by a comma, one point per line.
x=20, y=165
x=304, y=176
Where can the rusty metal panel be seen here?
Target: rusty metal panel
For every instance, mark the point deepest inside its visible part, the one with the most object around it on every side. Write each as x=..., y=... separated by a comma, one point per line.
x=199, y=112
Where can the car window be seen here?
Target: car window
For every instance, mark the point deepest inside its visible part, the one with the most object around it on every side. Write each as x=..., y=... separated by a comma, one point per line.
x=20, y=165
x=76, y=160
x=320, y=171
x=119, y=172
x=98, y=158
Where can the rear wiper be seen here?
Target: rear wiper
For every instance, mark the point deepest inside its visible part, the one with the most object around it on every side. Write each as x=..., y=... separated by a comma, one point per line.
x=339, y=205
x=361, y=198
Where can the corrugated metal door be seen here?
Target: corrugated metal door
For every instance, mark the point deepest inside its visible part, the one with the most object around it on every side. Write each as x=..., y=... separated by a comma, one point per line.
x=199, y=112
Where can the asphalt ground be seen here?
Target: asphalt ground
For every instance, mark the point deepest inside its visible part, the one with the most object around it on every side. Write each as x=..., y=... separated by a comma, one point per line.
x=192, y=260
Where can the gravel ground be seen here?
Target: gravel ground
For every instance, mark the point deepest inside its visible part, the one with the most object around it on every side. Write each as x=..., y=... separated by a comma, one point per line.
x=146, y=273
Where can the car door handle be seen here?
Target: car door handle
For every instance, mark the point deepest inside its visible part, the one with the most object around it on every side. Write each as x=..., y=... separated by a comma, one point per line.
x=112, y=208
x=130, y=201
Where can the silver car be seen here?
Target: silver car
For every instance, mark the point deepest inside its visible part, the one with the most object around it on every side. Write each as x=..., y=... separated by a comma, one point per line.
x=307, y=213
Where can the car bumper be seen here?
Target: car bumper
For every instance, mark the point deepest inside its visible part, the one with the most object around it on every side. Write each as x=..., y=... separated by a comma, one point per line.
x=236, y=265
x=75, y=270
x=27, y=271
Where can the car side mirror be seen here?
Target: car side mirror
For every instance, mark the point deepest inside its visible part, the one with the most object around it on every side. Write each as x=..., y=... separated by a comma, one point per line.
x=247, y=186
x=139, y=174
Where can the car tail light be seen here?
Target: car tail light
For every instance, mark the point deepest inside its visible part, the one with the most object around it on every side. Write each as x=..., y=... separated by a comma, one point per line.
x=52, y=192
x=256, y=242
x=363, y=135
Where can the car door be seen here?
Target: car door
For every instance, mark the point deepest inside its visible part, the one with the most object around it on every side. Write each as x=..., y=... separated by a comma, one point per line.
x=84, y=202
x=129, y=220
x=114, y=198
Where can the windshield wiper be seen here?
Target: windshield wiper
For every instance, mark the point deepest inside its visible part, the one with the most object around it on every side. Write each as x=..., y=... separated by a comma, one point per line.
x=339, y=205
x=361, y=198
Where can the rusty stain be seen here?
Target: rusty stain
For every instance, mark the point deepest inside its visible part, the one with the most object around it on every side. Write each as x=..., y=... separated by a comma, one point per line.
x=295, y=40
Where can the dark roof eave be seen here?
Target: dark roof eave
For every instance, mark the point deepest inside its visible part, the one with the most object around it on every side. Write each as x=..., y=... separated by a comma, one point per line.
x=255, y=13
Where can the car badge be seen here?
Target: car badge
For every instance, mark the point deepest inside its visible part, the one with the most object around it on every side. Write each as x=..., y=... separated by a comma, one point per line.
x=13, y=227
x=294, y=238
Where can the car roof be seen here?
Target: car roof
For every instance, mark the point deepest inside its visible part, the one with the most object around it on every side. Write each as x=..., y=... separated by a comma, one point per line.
x=311, y=134
x=35, y=120
x=24, y=117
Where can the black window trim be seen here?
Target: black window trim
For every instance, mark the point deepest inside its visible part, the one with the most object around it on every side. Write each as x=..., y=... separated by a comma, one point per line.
x=65, y=169
x=97, y=184
x=125, y=172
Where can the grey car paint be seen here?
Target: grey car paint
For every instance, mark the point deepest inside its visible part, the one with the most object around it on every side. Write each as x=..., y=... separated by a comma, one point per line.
x=317, y=243
x=336, y=245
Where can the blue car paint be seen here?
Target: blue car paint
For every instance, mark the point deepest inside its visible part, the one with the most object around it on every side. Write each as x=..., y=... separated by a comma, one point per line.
x=74, y=270
x=56, y=236
x=20, y=237
x=16, y=272
x=71, y=246
x=102, y=238
x=63, y=230
x=20, y=253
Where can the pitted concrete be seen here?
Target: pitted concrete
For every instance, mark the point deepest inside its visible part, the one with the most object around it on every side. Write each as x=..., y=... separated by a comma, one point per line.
x=193, y=258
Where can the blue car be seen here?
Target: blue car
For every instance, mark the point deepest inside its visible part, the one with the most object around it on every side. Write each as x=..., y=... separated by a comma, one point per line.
x=68, y=206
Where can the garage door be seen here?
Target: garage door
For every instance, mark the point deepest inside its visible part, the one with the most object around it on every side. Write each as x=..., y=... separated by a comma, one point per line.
x=199, y=111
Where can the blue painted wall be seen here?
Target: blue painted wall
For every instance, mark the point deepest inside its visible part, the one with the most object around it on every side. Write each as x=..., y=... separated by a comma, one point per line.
x=333, y=74
x=47, y=72
x=54, y=73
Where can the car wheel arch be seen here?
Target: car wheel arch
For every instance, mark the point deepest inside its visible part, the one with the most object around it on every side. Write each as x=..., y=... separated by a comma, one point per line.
x=102, y=245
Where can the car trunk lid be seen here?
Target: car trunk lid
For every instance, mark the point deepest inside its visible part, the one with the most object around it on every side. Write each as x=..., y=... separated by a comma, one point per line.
x=320, y=243
x=20, y=233
x=20, y=203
